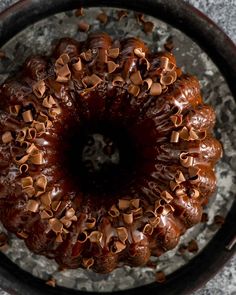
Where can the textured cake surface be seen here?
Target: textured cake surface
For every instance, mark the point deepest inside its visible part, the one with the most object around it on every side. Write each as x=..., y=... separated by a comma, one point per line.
x=158, y=153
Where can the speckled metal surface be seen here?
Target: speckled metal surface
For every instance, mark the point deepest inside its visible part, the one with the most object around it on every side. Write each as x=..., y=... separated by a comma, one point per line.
x=222, y=12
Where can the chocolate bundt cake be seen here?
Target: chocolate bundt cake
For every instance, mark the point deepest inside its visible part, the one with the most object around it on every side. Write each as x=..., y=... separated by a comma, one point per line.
x=106, y=155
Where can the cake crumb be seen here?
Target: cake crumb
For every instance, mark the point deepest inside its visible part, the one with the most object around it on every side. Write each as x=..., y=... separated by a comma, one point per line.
x=102, y=17
x=192, y=246
x=121, y=14
x=51, y=282
x=160, y=277
x=83, y=26
x=79, y=12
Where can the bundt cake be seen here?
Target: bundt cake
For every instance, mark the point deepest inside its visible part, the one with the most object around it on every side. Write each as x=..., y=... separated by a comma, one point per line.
x=106, y=155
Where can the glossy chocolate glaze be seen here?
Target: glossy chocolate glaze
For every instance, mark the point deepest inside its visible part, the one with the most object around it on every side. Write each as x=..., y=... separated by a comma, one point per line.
x=47, y=107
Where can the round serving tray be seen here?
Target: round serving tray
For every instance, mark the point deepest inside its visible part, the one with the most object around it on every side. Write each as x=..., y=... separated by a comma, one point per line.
x=221, y=50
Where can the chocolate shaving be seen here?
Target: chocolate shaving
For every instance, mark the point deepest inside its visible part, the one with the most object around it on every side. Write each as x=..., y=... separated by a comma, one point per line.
x=95, y=237
x=31, y=134
x=32, y=206
x=117, y=247
x=27, y=116
x=122, y=234
x=134, y=90
x=128, y=218
x=26, y=182
x=36, y=158
x=167, y=209
x=118, y=81
x=174, y=137
x=164, y=61
x=113, y=52
x=63, y=74
x=135, y=203
x=39, y=88
x=21, y=134
x=194, y=193
x=87, y=56
x=167, y=197
x=46, y=199
x=114, y=212
x=77, y=66
x=123, y=204
x=48, y=102
x=40, y=127
x=185, y=160
x=91, y=81
x=160, y=277
x=55, y=225
x=139, y=52
x=111, y=66
x=177, y=120
x=155, y=89
x=32, y=149
x=30, y=191
x=136, y=78
x=88, y=262
x=41, y=184
x=179, y=177
x=102, y=17
x=46, y=214
x=83, y=26
x=24, y=168
x=7, y=137
x=22, y=159
x=147, y=83
x=66, y=222
x=14, y=110
x=154, y=221
x=62, y=60
x=148, y=229
x=168, y=78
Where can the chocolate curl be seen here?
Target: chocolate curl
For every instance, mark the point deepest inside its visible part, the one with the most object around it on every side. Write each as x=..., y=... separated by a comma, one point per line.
x=66, y=222
x=31, y=133
x=179, y=177
x=155, y=89
x=135, y=203
x=150, y=211
x=194, y=193
x=112, y=66
x=46, y=214
x=14, y=110
x=55, y=225
x=148, y=229
x=62, y=60
x=184, y=134
x=70, y=213
x=39, y=89
x=167, y=197
x=143, y=61
x=41, y=184
x=26, y=182
x=173, y=185
x=134, y=90
x=185, y=160
x=147, y=83
x=7, y=137
x=46, y=199
x=90, y=223
x=87, y=56
x=167, y=209
x=88, y=262
x=137, y=213
x=59, y=238
x=83, y=236
x=122, y=234
x=117, y=247
x=180, y=192
x=136, y=78
x=197, y=135
x=128, y=218
x=92, y=81
x=42, y=118
x=48, y=102
x=55, y=205
x=24, y=168
x=139, y=52
x=154, y=221
x=32, y=149
x=113, y=52
x=118, y=81
x=177, y=120
x=63, y=74
x=123, y=204
x=40, y=127
x=54, y=112
x=22, y=234
x=21, y=134
x=77, y=66
x=32, y=206
x=30, y=191
x=95, y=237
x=174, y=137
x=25, y=144
x=158, y=204
x=114, y=212
x=164, y=61
x=36, y=158
x=168, y=78
x=27, y=116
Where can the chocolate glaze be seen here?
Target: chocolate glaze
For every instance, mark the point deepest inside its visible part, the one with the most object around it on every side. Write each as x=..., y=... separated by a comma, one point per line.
x=52, y=101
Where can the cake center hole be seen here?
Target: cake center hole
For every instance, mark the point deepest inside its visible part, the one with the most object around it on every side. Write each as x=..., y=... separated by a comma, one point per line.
x=99, y=152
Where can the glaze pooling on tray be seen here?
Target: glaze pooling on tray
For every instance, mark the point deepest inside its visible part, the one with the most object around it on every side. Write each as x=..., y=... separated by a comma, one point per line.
x=121, y=287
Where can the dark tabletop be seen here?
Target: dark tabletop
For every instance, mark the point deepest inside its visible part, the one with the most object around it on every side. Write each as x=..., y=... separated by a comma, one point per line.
x=223, y=12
